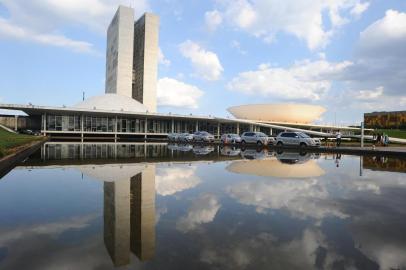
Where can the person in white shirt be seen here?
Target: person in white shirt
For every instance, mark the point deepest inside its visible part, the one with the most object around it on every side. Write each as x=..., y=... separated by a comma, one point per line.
x=338, y=138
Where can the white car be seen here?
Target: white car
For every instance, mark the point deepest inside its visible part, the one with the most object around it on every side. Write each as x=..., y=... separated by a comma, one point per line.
x=296, y=138
x=254, y=137
x=203, y=136
x=185, y=137
x=230, y=138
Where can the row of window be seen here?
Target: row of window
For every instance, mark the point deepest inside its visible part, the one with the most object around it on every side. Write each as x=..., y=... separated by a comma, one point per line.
x=103, y=151
x=131, y=125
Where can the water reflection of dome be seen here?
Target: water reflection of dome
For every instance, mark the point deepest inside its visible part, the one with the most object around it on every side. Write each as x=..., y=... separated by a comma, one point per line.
x=275, y=168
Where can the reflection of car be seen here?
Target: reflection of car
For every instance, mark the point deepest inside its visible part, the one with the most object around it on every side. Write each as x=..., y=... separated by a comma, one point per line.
x=230, y=151
x=254, y=153
x=271, y=140
x=230, y=138
x=296, y=138
x=173, y=137
x=203, y=149
x=254, y=137
x=185, y=137
x=293, y=157
x=203, y=136
x=180, y=147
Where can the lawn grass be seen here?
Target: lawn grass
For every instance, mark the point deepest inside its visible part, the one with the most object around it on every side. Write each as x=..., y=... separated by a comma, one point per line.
x=395, y=133
x=10, y=140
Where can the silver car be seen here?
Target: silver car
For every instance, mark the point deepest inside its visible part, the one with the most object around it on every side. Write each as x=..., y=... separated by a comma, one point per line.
x=185, y=137
x=230, y=138
x=203, y=136
x=297, y=139
x=254, y=137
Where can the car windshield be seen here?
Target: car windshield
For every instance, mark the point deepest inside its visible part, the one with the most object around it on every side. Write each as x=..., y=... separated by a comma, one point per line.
x=234, y=135
x=260, y=134
x=303, y=135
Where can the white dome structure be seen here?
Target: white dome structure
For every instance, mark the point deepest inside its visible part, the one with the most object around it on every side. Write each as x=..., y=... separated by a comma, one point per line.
x=284, y=112
x=112, y=102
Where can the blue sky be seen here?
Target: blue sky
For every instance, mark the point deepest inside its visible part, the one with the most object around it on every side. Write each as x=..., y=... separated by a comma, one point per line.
x=347, y=55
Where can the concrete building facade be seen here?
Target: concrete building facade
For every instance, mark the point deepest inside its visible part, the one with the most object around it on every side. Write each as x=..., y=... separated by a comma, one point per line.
x=132, y=57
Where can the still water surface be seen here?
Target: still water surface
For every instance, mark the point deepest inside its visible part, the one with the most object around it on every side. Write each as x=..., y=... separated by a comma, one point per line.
x=102, y=206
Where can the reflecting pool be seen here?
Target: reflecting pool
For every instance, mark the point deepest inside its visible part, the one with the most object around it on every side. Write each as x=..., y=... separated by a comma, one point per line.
x=159, y=206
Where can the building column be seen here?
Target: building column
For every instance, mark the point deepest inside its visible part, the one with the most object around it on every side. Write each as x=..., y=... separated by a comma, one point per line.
x=271, y=131
x=218, y=130
x=115, y=129
x=173, y=126
x=45, y=124
x=238, y=128
x=15, y=122
x=197, y=125
x=82, y=120
x=146, y=128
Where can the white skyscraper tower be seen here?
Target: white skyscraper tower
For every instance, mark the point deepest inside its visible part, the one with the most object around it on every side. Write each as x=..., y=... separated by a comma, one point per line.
x=132, y=56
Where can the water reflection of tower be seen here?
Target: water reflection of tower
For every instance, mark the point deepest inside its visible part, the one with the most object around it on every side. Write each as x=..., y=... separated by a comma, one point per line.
x=129, y=217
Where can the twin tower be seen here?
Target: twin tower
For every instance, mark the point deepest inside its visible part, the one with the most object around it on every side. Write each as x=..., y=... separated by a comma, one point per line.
x=132, y=57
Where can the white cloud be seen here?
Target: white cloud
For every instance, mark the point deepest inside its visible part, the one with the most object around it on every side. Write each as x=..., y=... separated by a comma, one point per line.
x=169, y=181
x=206, y=63
x=369, y=94
x=359, y=8
x=203, y=210
x=47, y=14
x=303, y=80
x=305, y=198
x=385, y=37
x=162, y=59
x=377, y=77
x=172, y=92
x=236, y=45
x=213, y=19
x=43, y=21
x=9, y=30
x=303, y=19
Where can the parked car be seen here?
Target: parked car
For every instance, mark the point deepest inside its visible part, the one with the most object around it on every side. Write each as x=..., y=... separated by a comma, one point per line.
x=27, y=131
x=203, y=136
x=185, y=137
x=296, y=138
x=254, y=137
x=173, y=137
x=230, y=138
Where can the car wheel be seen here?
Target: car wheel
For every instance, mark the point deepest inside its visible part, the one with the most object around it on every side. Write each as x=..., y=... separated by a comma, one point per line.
x=279, y=144
x=243, y=142
x=303, y=144
x=259, y=143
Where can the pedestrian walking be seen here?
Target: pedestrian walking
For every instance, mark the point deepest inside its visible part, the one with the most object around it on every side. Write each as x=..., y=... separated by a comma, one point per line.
x=338, y=138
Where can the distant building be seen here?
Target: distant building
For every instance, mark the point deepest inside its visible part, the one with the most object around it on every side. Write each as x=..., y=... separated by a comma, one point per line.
x=132, y=57
x=395, y=119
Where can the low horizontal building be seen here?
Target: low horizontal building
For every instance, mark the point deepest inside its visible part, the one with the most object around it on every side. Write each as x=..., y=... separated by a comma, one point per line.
x=395, y=119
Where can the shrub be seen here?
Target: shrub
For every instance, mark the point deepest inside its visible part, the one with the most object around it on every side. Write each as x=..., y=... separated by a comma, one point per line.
x=2, y=152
